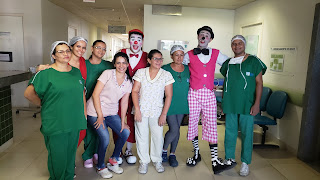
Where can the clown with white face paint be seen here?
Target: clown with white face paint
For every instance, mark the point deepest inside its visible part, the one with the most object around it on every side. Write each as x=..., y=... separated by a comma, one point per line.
x=136, y=42
x=137, y=60
x=202, y=62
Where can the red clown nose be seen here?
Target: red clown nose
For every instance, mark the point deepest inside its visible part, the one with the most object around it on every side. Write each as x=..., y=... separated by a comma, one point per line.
x=136, y=42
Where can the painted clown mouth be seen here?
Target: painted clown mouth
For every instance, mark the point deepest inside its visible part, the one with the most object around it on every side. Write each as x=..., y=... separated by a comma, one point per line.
x=135, y=47
x=202, y=42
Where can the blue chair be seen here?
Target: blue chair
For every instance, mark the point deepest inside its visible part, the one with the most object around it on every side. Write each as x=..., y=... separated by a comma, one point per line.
x=275, y=107
x=218, y=92
x=266, y=92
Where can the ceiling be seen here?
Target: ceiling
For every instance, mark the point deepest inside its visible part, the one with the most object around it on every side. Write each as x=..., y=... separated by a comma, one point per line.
x=129, y=13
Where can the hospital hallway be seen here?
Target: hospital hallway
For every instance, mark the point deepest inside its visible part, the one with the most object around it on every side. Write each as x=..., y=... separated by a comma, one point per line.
x=26, y=159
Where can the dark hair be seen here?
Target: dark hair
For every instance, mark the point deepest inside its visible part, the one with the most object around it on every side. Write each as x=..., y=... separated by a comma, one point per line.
x=62, y=43
x=136, y=33
x=94, y=43
x=151, y=53
x=97, y=41
x=125, y=56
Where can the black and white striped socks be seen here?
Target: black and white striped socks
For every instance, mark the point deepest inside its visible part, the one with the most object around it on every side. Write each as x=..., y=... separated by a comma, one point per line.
x=195, y=143
x=214, y=151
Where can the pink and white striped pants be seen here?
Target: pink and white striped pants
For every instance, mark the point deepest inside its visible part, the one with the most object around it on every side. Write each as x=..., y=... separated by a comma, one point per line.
x=204, y=101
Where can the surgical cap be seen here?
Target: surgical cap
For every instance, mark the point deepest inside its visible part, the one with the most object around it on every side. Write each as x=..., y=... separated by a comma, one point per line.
x=239, y=37
x=54, y=45
x=75, y=39
x=176, y=48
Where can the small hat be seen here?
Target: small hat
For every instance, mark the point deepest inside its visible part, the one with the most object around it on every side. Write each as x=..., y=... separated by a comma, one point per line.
x=176, y=48
x=206, y=28
x=136, y=31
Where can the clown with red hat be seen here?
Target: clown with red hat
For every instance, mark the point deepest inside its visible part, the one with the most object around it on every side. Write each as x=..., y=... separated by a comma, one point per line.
x=137, y=60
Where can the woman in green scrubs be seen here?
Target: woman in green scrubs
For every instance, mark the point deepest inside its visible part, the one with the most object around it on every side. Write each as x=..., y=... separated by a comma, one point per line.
x=59, y=90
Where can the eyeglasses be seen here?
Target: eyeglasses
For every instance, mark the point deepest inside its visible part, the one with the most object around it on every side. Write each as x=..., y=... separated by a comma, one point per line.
x=157, y=59
x=64, y=52
x=100, y=48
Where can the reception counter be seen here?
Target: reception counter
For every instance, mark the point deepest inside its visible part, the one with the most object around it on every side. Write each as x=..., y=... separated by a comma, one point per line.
x=6, y=126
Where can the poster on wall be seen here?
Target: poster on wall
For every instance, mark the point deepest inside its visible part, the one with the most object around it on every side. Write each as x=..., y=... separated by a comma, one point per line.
x=277, y=62
x=167, y=44
x=252, y=44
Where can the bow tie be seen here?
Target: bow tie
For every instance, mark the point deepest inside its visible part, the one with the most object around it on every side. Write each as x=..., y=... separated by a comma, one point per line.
x=136, y=55
x=198, y=51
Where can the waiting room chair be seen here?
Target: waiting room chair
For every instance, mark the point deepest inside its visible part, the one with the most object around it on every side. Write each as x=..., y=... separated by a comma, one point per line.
x=218, y=92
x=275, y=107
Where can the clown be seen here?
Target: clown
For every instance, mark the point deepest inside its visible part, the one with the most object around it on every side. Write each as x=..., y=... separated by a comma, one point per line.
x=202, y=62
x=137, y=60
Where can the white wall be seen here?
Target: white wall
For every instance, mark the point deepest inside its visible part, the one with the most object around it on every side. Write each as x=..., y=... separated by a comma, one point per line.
x=55, y=22
x=159, y=27
x=32, y=28
x=286, y=23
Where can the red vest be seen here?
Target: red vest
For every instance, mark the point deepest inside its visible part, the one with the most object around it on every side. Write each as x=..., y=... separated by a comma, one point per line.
x=202, y=75
x=141, y=64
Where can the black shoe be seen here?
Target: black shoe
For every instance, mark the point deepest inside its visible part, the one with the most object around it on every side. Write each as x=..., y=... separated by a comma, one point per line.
x=229, y=163
x=173, y=161
x=218, y=166
x=192, y=161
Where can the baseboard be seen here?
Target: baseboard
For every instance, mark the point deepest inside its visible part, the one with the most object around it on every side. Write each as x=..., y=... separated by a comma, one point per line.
x=6, y=145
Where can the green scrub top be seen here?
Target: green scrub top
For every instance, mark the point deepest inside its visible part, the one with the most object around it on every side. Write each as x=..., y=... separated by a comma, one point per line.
x=238, y=99
x=179, y=103
x=61, y=95
x=93, y=73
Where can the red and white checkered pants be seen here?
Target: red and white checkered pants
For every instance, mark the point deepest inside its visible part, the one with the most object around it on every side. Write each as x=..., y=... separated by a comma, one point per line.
x=204, y=101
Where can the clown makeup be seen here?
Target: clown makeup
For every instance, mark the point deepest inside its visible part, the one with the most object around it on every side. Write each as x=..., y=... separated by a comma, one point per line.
x=204, y=38
x=136, y=42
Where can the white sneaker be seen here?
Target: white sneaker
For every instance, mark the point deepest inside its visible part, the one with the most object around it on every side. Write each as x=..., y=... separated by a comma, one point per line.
x=119, y=160
x=130, y=158
x=143, y=168
x=115, y=168
x=244, y=170
x=159, y=167
x=88, y=163
x=104, y=173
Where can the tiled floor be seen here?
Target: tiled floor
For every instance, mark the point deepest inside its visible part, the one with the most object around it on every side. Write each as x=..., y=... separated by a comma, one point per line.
x=26, y=160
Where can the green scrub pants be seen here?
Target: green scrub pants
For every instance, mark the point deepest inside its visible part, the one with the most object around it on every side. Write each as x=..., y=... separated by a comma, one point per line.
x=91, y=143
x=62, y=150
x=233, y=123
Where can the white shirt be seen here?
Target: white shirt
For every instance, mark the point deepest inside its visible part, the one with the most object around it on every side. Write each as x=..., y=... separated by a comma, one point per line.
x=206, y=58
x=152, y=91
x=133, y=61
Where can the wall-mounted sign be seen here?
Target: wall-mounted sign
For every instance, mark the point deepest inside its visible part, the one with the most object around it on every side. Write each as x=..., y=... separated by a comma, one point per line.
x=277, y=62
x=4, y=33
x=117, y=29
x=167, y=44
x=92, y=1
x=252, y=44
x=5, y=56
x=284, y=48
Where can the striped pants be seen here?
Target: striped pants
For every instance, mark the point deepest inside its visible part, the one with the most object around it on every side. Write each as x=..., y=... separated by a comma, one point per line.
x=203, y=101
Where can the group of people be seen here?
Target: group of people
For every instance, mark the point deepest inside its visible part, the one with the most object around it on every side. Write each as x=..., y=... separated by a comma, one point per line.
x=134, y=95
